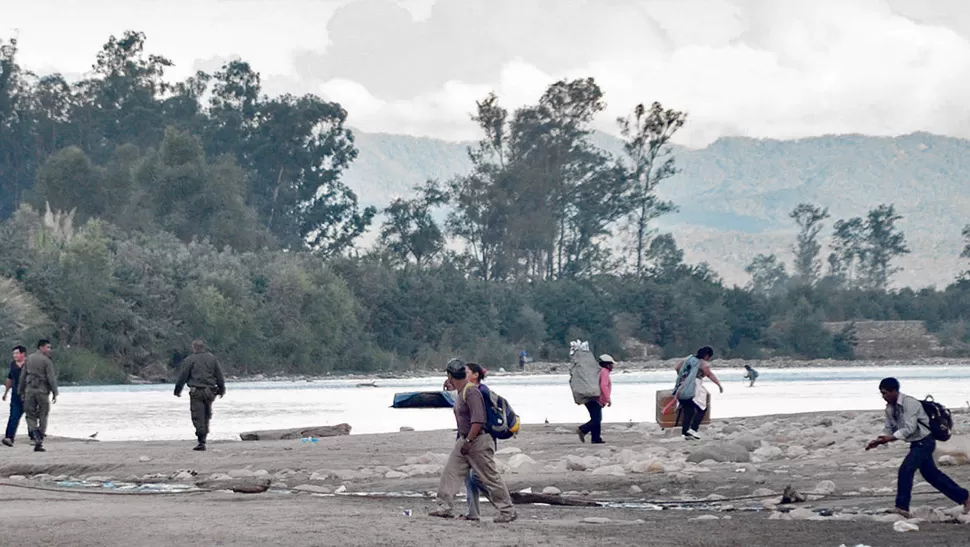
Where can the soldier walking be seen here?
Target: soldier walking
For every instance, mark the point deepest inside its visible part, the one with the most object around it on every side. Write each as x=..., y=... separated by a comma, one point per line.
x=202, y=373
x=38, y=381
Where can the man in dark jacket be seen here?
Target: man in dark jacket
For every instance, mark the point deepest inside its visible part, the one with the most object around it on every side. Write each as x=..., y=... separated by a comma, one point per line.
x=16, y=403
x=38, y=381
x=202, y=373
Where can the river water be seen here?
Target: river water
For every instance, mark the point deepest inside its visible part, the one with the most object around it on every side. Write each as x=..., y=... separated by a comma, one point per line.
x=151, y=412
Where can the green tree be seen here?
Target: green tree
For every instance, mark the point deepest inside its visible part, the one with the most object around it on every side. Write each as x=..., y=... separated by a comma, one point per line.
x=884, y=242
x=849, y=253
x=410, y=230
x=809, y=219
x=768, y=276
x=648, y=134
x=17, y=159
x=69, y=180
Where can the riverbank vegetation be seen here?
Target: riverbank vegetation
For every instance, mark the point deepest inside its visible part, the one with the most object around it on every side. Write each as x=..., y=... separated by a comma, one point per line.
x=138, y=213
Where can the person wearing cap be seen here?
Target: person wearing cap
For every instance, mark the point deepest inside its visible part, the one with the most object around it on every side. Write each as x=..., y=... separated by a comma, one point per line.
x=595, y=406
x=474, y=450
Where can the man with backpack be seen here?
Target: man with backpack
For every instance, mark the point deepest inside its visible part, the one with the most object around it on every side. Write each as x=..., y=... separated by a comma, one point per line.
x=474, y=449
x=908, y=421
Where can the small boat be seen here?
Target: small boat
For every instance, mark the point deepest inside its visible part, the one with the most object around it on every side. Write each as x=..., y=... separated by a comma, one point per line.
x=424, y=399
x=367, y=384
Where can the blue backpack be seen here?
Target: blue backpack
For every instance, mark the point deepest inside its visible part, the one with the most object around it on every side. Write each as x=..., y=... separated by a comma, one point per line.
x=501, y=422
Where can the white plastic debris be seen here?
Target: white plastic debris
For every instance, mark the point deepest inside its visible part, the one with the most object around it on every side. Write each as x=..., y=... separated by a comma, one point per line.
x=904, y=526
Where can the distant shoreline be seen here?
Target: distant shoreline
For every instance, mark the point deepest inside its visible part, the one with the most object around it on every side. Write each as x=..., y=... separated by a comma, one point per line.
x=541, y=368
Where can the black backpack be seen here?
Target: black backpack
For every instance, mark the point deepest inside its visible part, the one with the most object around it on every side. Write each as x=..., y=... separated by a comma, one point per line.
x=941, y=423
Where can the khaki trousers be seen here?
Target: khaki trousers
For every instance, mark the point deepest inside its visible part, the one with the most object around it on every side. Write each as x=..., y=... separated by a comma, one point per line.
x=481, y=458
x=37, y=406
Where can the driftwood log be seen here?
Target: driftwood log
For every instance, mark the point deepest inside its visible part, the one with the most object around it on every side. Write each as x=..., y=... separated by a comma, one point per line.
x=520, y=498
x=297, y=433
x=240, y=486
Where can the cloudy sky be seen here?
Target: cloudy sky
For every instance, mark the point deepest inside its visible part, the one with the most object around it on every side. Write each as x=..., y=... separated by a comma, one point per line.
x=764, y=68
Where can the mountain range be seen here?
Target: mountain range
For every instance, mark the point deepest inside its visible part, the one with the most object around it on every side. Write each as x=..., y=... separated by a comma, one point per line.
x=734, y=195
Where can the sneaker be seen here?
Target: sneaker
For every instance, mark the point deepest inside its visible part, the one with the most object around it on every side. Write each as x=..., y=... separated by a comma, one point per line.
x=902, y=512
x=694, y=434
x=601, y=441
x=39, y=448
x=505, y=518
x=199, y=447
x=442, y=513
x=7, y=442
x=582, y=436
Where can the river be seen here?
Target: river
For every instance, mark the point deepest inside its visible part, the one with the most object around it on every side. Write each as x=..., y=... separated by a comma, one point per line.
x=151, y=412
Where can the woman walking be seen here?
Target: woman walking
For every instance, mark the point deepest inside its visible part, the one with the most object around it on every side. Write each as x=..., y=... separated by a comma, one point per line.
x=595, y=406
x=688, y=372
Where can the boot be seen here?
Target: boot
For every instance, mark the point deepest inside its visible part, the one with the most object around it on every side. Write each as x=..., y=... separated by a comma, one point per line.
x=201, y=446
x=39, y=442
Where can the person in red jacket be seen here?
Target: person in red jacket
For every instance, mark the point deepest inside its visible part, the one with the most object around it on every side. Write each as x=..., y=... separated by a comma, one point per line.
x=595, y=406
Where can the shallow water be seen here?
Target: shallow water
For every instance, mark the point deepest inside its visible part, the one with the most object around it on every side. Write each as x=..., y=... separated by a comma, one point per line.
x=153, y=413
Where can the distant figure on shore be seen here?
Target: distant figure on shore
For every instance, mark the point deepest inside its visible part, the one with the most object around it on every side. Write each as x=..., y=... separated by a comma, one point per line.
x=523, y=359
x=907, y=421
x=202, y=373
x=685, y=389
x=38, y=381
x=594, y=426
x=16, y=402
x=474, y=450
x=750, y=374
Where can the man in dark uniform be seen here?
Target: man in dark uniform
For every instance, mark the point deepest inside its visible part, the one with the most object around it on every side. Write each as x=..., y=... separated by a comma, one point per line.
x=202, y=373
x=38, y=381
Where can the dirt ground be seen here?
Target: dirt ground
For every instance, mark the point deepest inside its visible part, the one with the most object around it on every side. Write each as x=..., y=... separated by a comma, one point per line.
x=830, y=448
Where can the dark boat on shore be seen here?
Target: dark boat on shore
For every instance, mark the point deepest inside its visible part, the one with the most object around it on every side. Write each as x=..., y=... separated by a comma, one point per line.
x=424, y=399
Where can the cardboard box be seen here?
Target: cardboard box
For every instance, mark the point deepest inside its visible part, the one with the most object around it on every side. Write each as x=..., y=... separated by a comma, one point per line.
x=667, y=421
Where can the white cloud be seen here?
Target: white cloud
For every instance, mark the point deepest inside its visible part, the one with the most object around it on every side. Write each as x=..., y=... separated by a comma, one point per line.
x=765, y=68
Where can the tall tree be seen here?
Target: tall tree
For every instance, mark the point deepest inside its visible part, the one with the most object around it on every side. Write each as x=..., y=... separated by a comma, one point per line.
x=884, y=242
x=809, y=219
x=410, y=230
x=768, y=276
x=848, y=254
x=966, y=242
x=17, y=159
x=648, y=134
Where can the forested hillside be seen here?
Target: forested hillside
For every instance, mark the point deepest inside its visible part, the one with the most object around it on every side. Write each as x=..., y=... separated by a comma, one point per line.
x=137, y=213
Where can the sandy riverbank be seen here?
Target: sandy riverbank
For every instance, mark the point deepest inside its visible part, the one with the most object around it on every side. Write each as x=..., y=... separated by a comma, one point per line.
x=640, y=465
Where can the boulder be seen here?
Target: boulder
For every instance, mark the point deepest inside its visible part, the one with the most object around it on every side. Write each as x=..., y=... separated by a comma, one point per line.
x=144, y=459
x=706, y=517
x=765, y=492
x=316, y=476
x=720, y=452
x=551, y=491
x=610, y=470
x=801, y=514
x=240, y=486
x=241, y=473
x=825, y=487
x=647, y=466
x=769, y=453
x=347, y=474
x=634, y=489
x=519, y=461
x=431, y=457
x=297, y=433
x=395, y=475
x=575, y=463
x=750, y=442
x=795, y=451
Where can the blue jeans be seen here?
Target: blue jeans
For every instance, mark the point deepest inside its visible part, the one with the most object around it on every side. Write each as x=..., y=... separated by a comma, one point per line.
x=920, y=458
x=473, y=490
x=16, y=411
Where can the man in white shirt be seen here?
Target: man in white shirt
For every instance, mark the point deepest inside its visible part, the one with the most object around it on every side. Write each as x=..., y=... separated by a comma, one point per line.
x=907, y=421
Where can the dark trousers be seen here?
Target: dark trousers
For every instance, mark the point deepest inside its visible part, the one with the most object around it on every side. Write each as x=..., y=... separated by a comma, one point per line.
x=594, y=425
x=921, y=457
x=200, y=404
x=16, y=412
x=692, y=416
